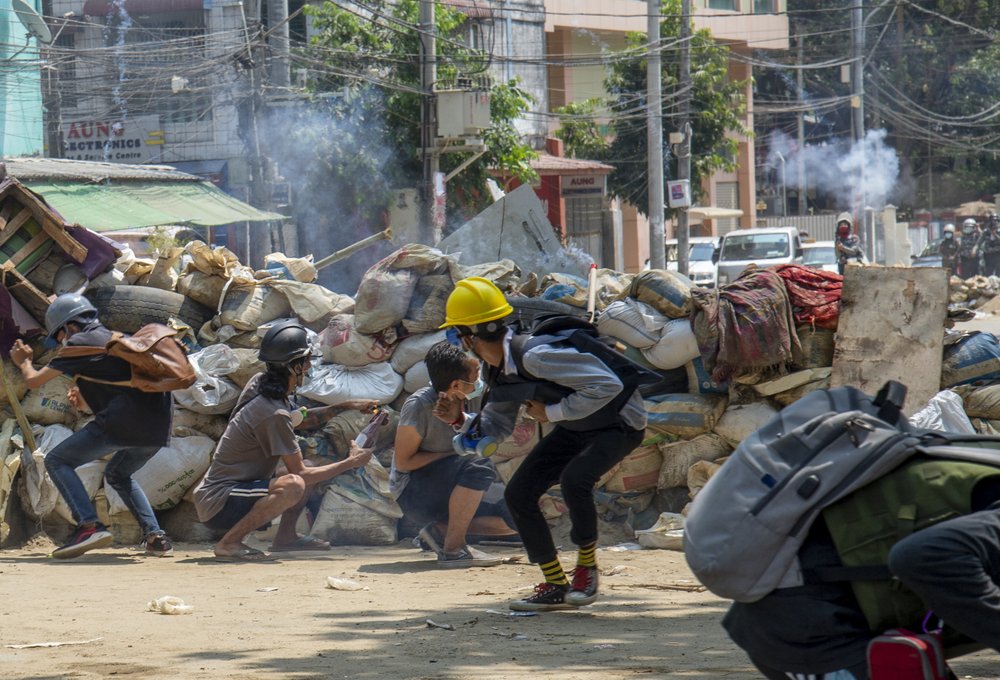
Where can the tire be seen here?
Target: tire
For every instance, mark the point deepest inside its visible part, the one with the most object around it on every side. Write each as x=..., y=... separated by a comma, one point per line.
x=129, y=308
x=527, y=310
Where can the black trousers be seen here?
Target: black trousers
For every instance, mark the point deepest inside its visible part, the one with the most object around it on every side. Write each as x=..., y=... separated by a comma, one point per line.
x=992, y=264
x=574, y=460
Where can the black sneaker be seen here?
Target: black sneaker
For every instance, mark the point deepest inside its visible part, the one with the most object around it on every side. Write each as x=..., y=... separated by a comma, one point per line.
x=84, y=539
x=158, y=545
x=548, y=597
x=583, y=586
x=431, y=539
x=465, y=558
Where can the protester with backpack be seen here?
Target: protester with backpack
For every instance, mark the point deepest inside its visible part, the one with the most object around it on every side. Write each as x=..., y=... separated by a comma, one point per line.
x=598, y=421
x=843, y=534
x=130, y=423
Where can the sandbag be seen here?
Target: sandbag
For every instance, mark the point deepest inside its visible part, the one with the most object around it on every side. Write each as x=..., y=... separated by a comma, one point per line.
x=335, y=384
x=290, y=268
x=684, y=415
x=342, y=428
x=249, y=366
x=15, y=381
x=638, y=471
x=678, y=458
x=793, y=395
x=666, y=534
x=313, y=304
x=345, y=522
x=817, y=347
x=416, y=377
x=741, y=420
x=634, y=323
x=187, y=423
x=41, y=493
x=676, y=347
x=164, y=272
x=667, y=292
x=700, y=380
x=427, y=306
x=204, y=288
x=981, y=402
x=565, y=288
x=49, y=405
x=521, y=441
x=91, y=474
x=341, y=343
x=504, y=274
x=413, y=349
x=211, y=392
x=700, y=473
x=168, y=475
x=975, y=357
x=245, y=308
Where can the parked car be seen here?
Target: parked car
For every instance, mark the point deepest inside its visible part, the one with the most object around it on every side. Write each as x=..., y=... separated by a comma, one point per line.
x=930, y=256
x=764, y=247
x=822, y=255
x=702, y=268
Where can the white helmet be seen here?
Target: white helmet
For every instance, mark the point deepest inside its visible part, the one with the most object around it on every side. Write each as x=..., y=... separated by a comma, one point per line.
x=969, y=225
x=949, y=228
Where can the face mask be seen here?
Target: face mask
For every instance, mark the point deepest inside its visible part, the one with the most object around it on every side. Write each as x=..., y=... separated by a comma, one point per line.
x=478, y=390
x=948, y=235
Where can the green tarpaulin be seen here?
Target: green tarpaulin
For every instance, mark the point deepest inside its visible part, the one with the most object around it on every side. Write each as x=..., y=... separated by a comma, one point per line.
x=124, y=205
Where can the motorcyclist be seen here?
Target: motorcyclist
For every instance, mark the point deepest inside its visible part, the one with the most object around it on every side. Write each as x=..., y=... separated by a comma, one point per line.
x=848, y=245
x=949, y=249
x=991, y=246
x=969, y=249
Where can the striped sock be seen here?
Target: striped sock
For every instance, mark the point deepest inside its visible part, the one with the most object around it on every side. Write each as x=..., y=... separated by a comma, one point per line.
x=554, y=573
x=587, y=556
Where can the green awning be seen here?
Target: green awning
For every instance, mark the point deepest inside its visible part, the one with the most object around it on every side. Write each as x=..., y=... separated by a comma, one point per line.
x=123, y=205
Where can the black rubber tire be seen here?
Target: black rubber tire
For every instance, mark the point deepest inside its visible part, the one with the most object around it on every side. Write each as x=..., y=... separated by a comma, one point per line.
x=529, y=310
x=129, y=308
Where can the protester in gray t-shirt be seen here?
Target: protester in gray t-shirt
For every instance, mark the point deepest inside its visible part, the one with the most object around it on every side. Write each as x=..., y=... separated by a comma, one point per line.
x=240, y=492
x=453, y=494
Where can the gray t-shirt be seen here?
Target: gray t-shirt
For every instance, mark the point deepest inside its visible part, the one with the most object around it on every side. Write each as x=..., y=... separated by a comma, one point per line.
x=418, y=413
x=250, y=449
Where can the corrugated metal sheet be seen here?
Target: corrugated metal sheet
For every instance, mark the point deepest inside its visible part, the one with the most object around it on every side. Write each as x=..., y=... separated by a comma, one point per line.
x=25, y=169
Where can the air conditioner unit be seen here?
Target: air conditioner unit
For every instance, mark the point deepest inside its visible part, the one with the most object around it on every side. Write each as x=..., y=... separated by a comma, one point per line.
x=462, y=113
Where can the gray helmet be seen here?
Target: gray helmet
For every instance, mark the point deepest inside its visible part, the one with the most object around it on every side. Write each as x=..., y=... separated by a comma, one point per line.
x=285, y=342
x=64, y=309
x=969, y=225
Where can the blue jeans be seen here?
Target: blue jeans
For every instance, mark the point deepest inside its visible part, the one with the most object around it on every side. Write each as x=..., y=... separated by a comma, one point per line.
x=84, y=446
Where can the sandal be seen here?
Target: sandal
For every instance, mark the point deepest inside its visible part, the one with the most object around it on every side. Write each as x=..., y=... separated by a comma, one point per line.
x=302, y=543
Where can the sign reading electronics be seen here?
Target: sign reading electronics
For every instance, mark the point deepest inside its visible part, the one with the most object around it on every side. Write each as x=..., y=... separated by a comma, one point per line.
x=133, y=140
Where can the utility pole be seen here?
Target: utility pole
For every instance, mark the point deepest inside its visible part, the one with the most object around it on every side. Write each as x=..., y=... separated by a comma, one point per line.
x=654, y=137
x=858, y=110
x=428, y=81
x=277, y=15
x=684, y=160
x=800, y=164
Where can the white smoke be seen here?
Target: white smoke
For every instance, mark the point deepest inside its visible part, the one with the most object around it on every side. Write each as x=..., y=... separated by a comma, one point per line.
x=865, y=171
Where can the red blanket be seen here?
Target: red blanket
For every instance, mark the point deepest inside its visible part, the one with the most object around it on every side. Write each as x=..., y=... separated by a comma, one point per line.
x=814, y=295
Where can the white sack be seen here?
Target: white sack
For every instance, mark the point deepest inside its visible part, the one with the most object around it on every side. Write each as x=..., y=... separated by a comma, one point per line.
x=416, y=377
x=740, y=421
x=676, y=347
x=414, y=349
x=168, y=475
x=944, y=412
x=335, y=384
x=634, y=323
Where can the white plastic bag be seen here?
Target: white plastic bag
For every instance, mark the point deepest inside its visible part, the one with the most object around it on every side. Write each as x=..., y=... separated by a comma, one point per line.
x=944, y=412
x=211, y=393
x=335, y=384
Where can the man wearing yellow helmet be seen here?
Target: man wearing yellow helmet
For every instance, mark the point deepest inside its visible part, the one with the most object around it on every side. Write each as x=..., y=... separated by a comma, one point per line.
x=598, y=421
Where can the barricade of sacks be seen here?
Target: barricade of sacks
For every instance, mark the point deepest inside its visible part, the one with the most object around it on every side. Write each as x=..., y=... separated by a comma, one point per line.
x=372, y=346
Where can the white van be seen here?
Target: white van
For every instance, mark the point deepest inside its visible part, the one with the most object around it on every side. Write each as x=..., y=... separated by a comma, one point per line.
x=701, y=259
x=763, y=247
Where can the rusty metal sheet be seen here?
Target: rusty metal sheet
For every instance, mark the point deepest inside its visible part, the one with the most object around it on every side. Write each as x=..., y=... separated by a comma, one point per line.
x=892, y=328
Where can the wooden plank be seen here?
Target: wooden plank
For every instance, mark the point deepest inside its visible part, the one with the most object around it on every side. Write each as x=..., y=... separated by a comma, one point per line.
x=892, y=328
x=15, y=224
x=75, y=250
x=32, y=299
x=31, y=246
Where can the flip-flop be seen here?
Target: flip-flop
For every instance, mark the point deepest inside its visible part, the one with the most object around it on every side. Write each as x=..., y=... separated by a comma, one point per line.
x=302, y=543
x=245, y=555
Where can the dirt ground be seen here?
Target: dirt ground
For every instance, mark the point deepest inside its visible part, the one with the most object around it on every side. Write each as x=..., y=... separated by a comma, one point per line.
x=279, y=619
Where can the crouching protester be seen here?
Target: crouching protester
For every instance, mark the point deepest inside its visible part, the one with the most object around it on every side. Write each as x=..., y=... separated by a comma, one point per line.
x=72, y=321
x=597, y=422
x=240, y=492
x=457, y=497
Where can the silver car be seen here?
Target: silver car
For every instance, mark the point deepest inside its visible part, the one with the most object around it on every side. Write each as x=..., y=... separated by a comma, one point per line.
x=763, y=247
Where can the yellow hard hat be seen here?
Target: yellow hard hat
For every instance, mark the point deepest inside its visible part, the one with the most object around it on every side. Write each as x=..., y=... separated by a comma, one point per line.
x=475, y=300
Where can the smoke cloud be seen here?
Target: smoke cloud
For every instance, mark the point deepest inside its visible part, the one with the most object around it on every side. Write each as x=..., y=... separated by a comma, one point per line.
x=836, y=169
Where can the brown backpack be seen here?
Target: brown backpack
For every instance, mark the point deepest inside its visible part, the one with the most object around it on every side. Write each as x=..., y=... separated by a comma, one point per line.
x=158, y=360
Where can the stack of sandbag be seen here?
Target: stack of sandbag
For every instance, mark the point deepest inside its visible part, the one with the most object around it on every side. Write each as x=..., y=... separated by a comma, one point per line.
x=973, y=292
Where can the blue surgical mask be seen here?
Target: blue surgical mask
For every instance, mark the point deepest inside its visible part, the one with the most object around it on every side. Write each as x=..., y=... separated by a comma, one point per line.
x=478, y=390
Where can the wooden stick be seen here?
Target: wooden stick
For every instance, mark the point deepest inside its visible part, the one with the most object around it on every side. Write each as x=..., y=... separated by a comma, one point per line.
x=15, y=406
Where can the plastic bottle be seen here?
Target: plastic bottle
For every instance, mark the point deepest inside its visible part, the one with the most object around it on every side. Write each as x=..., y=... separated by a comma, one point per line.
x=366, y=439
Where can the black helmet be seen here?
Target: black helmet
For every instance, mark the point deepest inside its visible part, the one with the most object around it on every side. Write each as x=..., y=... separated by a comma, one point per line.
x=284, y=343
x=64, y=309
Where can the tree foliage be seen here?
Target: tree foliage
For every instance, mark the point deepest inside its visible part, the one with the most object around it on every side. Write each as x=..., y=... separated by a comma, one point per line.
x=717, y=109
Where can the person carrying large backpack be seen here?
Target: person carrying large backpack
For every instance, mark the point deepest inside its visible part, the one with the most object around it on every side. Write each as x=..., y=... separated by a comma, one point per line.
x=850, y=533
x=130, y=423
x=599, y=419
